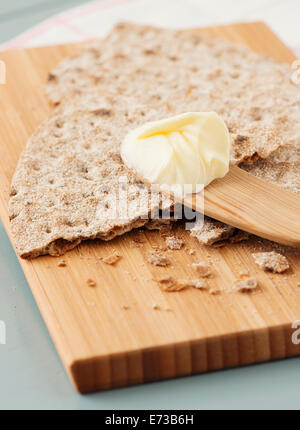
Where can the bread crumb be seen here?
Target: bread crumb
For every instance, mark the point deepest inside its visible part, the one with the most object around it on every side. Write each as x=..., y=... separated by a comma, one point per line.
x=157, y=259
x=125, y=307
x=111, y=259
x=169, y=284
x=244, y=273
x=138, y=241
x=194, y=283
x=200, y=284
x=174, y=243
x=202, y=270
x=271, y=261
x=191, y=251
x=246, y=285
x=155, y=307
x=212, y=232
x=214, y=291
x=298, y=284
x=91, y=283
x=62, y=263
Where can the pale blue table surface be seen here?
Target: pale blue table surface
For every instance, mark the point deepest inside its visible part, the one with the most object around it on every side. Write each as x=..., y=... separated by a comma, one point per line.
x=31, y=373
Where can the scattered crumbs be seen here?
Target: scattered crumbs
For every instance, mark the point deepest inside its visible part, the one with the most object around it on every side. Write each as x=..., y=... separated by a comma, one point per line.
x=91, y=283
x=169, y=284
x=111, y=259
x=202, y=270
x=244, y=273
x=271, y=261
x=191, y=251
x=51, y=77
x=138, y=241
x=214, y=291
x=298, y=284
x=125, y=307
x=174, y=243
x=157, y=259
x=158, y=247
x=200, y=284
x=62, y=263
x=155, y=307
x=246, y=285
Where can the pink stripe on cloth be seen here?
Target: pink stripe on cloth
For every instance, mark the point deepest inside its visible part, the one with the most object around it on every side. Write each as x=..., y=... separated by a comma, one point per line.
x=64, y=19
x=20, y=40
x=73, y=27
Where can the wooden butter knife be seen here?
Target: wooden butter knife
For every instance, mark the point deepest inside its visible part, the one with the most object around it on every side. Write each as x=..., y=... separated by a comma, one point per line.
x=246, y=202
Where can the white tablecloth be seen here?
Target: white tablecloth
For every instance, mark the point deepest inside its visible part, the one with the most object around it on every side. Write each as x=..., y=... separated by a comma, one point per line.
x=95, y=18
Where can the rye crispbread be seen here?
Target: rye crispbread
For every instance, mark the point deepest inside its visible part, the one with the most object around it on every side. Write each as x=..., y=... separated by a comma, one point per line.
x=66, y=185
x=173, y=72
x=271, y=261
x=138, y=74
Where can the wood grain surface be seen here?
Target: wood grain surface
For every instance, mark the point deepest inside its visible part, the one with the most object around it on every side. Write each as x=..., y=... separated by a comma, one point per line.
x=111, y=335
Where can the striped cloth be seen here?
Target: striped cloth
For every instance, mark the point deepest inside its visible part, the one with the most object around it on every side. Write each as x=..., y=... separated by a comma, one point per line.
x=94, y=19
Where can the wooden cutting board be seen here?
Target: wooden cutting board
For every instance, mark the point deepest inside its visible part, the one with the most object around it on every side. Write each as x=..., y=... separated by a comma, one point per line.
x=111, y=335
